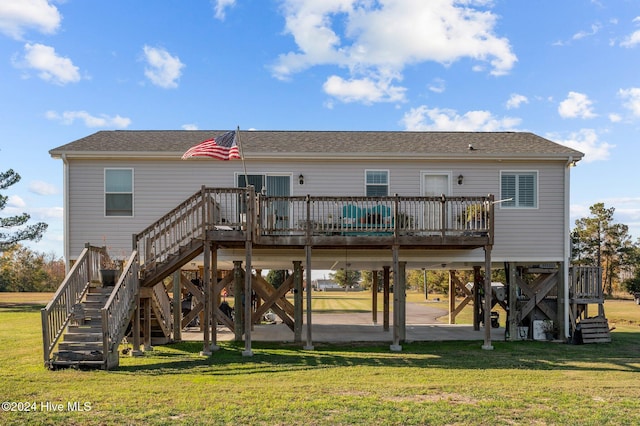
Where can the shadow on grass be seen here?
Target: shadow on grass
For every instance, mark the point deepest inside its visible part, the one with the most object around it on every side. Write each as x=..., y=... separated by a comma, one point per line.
x=21, y=307
x=184, y=358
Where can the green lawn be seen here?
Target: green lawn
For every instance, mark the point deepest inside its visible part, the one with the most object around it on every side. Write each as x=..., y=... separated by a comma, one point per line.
x=427, y=383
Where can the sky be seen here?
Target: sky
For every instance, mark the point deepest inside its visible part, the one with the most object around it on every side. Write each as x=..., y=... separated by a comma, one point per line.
x=565, y=70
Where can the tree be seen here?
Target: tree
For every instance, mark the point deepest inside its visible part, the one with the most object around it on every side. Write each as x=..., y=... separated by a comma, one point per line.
x=598, y=241
x=276, y=277
x=23, y=232
x=346, y=277
x=22, y=269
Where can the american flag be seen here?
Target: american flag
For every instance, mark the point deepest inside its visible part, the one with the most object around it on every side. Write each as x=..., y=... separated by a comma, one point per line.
x=223, y=147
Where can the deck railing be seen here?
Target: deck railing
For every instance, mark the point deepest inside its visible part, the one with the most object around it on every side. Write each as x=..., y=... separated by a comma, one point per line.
x=586, y=283
x=57, y=313
x=207, y=209
x=374, y=215
x=116, y=313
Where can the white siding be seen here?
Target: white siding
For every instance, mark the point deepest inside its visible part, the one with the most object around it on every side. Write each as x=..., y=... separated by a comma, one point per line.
x=521, y=235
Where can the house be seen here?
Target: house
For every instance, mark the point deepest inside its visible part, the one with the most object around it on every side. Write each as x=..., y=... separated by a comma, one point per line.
x=326, y=285
x=366, y=200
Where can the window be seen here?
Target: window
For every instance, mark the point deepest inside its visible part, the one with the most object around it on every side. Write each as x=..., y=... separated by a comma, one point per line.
x=520, y=189
x=377, y=183
x=118, y=192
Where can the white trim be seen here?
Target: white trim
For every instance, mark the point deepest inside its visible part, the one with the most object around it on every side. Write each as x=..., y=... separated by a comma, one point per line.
x=503, y=206
x=377, y=170
x=104, y=192
x=447, y=173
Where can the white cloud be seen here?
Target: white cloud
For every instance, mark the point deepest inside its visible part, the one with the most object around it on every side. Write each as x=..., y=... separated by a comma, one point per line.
x=189, y=127
x=631, y=99
x=438, y=85
x=586, y=141
x=51, y=67
x=436, y=119
x=16, y=16
x=365, y=90
x=42, y=188
x=219, y=7
x=583, y=34
x=632, y=39
x=15, y=201
x=163, y=69
x=516, y=100
x=615, y=118
x=374, y=40
x=68, y=118
x=577, y=105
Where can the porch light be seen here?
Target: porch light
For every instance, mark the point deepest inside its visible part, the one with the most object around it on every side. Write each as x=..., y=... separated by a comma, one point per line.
x=301, y=180
x=460, y=179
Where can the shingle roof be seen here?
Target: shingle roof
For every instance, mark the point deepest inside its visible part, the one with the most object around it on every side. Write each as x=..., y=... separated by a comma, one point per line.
x=316, y=144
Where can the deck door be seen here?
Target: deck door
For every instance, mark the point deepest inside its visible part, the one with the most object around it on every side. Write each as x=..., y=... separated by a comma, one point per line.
x=279, y=186
x=434, y=185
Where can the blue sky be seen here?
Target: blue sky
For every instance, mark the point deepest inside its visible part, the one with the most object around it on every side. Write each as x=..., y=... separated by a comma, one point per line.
x=567, y=70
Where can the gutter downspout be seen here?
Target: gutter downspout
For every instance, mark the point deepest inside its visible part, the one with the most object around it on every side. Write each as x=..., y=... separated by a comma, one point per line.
x=65, y=211
x=567, y=242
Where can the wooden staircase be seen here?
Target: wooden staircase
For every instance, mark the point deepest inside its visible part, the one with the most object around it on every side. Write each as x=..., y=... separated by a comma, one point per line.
x=82, y=344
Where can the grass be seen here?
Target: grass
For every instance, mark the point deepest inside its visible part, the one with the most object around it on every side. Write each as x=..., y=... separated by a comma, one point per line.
x=427, y=383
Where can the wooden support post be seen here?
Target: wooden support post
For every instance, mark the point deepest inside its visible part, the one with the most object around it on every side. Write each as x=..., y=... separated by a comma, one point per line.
x=374, y=297
x=513, y=316
x=386, y=277
x=237, y=299
x=452, y=300
x=478, y=285
x=297, y=301
x=215, y=298
x=395, y=346
x=487, y=299
x=136, y=328
x=560, y=317
x=206, y=317
x=177, y=307
x=309, y=345
x=247, y=300
x=402, y=299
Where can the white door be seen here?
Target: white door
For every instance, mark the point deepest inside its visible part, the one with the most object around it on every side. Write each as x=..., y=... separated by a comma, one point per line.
x=435, y=185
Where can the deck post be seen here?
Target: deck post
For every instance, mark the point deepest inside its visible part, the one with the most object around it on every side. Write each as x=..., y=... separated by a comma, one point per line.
x=206, y=345
x=395, y=346
x=136, y=328
x=248, y=276
x=478, y=284
x=297, y=301
x=309, y=345
x=237, y=299
x=386, y=276
x=452, y=300
x=374, y=297
x=215, y=302
x=487, y=299
x=513, y=316
x=402, y=299
x=177, y=307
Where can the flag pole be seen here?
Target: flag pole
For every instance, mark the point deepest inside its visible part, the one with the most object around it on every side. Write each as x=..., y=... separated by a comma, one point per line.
x=244, y=166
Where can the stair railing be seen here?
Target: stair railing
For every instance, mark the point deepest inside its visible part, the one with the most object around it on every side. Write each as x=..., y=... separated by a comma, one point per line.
x=117, y=312
x=56, y=315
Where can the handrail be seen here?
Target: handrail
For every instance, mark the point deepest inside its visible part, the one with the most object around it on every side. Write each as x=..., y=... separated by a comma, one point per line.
x=205, y=210
x=586, y=283
x=56, y=315
x=116, y=313
x=282, y=215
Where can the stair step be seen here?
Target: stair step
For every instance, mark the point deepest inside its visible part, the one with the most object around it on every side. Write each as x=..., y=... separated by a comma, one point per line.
x=78, y=363
x=79, y=355
x=80, y=346
x=82, y=337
